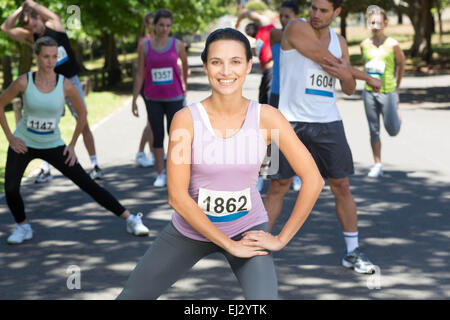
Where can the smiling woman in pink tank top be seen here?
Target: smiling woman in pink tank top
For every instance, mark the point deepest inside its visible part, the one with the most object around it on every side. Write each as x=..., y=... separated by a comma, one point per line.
x=215, y=152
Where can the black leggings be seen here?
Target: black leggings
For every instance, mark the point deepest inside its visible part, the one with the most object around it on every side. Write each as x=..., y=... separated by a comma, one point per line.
x=16, y=164
x=155, y=113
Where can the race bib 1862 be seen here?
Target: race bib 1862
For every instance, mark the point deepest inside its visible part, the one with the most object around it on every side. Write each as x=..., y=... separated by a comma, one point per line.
x=224, y=206
x=162, y=76
x=40, y=125
x=319, y=83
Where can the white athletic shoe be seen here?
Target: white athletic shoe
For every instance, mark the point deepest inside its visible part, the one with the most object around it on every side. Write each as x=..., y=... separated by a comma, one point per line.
x=151, y=158
x=21, y=232
x=260, y=184
x=357, y=261
x=142, y=160
x=96, y=173
x=135, y=225
x=376, y=171
x=161, y=180
x=43, y=176
x=296, y=183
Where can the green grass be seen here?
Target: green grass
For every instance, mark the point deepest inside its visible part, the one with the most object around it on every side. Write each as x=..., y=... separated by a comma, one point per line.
x=100, y=105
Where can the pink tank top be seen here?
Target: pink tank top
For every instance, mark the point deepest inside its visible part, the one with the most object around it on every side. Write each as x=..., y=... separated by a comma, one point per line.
x=162, y=74
x=224, y=174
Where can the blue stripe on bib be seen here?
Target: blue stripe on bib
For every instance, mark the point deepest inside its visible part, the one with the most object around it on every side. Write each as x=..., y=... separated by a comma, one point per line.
x=319, y=92
x=227, y=218
x=40, y=132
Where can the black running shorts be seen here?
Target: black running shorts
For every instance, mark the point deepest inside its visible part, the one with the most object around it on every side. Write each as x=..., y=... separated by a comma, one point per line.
x=328, y=146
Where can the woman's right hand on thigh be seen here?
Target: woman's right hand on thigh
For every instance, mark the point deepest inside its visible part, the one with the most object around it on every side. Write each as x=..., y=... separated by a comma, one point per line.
x=18, y=145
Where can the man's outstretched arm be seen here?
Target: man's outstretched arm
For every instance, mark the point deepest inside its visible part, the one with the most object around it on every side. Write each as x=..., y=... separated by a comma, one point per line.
x=16, y=33
x=52, y=18
x=300, y=35
x=256, y=17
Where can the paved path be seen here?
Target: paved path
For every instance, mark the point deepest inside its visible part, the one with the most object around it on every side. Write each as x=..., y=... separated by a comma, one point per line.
x=403, y=217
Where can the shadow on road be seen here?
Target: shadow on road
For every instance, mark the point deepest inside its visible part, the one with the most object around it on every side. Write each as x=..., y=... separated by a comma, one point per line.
x=403, y=229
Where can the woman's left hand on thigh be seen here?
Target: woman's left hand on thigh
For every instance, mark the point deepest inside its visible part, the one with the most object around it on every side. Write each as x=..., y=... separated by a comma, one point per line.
x=262, y=239
x=71, y=156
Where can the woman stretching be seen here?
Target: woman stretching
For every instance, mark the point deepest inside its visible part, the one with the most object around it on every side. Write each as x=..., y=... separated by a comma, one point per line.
x=215, y=152
x=37, y=136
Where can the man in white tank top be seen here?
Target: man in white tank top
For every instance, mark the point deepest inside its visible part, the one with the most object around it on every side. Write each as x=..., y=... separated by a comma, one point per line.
x=308, y=72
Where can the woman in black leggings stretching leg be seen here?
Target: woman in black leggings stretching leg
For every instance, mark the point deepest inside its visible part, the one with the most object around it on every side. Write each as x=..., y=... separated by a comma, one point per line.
x=38, y=136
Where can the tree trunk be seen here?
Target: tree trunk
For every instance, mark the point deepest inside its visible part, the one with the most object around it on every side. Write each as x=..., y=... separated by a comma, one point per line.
x=439, y=12
x=343, y=17
x=112, y=65
x=78, y=51
x=25, y=59
x=7, y=72
x=400, y=17
x=419, y=12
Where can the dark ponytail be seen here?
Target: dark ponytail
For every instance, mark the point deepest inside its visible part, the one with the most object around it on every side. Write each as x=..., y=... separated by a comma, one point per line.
x=227, y=34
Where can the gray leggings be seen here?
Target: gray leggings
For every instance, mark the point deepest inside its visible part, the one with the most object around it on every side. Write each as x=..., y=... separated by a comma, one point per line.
x=172, y=254
x=385, y=104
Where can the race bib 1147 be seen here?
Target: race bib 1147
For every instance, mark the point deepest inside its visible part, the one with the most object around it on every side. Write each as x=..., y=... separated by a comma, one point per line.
x=40, y=125
x=224, y=206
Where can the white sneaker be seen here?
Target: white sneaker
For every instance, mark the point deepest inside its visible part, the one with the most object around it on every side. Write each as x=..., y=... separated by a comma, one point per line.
x=260, y=184
x=135, y=225
x=43, y=176
x=376, y=171
x=151, y=158
x=296, y=183
x=21, y=232
x=142, y=160
x=161, y=180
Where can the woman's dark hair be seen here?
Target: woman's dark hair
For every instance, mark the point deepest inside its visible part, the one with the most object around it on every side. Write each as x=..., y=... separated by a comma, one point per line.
x=227, y=34
x=251, y=29
x=291, y=5
x=162, y=13
x=148, y=16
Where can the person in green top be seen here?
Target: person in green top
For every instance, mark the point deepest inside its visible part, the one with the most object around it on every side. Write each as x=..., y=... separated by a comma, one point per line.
x=383, y=59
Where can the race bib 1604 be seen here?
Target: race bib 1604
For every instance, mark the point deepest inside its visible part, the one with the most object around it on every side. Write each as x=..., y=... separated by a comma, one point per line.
x=319, y=83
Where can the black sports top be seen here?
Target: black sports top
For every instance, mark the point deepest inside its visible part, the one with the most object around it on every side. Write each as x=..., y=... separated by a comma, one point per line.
x=66, y=65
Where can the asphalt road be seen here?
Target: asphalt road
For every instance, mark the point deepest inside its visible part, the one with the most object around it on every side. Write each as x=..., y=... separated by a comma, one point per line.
x=403, y=217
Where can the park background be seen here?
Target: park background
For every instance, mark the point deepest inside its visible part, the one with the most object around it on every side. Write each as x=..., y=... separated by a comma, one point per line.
x=403, y=218
x=104, y=36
